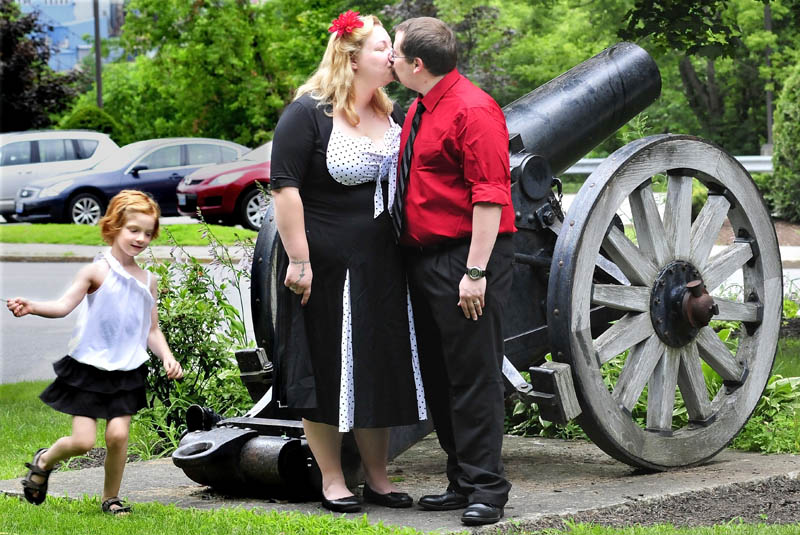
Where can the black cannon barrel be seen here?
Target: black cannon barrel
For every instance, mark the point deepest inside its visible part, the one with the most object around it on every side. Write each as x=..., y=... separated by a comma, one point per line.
x=567, y=117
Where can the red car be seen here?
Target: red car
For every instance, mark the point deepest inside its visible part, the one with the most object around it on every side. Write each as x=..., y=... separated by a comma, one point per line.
x=227, y=192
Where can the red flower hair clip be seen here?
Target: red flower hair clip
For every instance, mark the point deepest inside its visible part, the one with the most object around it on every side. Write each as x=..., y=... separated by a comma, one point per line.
x=346, y=23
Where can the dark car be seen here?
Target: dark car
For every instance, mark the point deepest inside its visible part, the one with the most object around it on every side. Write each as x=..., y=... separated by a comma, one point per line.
x=228, y=192
x=154, y=166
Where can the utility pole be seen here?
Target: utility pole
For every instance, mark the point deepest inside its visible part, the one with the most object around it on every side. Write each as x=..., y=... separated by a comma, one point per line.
x=97, y=62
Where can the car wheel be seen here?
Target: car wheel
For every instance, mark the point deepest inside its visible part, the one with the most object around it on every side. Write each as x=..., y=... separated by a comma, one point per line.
x=85, y=209
x=8, y=216
x=252, y=209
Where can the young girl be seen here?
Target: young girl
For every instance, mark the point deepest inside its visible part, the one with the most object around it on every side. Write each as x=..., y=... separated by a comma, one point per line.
x=103, y=376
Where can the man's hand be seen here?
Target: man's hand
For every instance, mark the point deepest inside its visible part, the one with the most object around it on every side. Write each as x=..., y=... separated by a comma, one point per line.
x=471, y=295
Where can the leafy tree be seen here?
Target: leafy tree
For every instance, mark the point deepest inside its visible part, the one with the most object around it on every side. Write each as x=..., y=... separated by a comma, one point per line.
x=784, y=195
x=720, y=47
x=90, y=117
x=216, y=68
x=29, y=89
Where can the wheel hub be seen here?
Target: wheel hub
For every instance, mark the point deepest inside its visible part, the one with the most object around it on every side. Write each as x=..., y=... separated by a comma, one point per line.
x=680, y=304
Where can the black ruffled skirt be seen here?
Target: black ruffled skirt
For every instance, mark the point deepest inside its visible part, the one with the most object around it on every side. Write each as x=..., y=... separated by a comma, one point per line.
x=83, y=390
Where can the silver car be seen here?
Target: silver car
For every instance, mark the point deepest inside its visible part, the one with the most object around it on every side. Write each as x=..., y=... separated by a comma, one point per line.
x=29, y=156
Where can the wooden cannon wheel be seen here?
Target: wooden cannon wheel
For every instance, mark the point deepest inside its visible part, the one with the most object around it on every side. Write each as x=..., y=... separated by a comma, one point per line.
x=263, y=283
x=628, y=377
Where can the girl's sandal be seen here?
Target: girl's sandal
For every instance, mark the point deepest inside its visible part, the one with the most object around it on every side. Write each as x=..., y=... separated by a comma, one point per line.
x=36, y=492
x=120, y=509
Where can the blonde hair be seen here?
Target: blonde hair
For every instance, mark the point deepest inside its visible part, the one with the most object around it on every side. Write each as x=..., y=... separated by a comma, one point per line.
x=332, y=82
x=121, y=206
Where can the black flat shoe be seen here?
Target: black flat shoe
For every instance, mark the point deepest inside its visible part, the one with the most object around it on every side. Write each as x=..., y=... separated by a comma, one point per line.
x=395, y=500
x=349, y=504
x=478, y=514
x=443, y=502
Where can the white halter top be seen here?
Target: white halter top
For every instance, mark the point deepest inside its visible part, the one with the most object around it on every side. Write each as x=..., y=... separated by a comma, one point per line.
x=114, y=321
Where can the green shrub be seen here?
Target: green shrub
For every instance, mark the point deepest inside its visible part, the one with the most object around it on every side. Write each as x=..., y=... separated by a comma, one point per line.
x=784, y=195
x=90, y=117
x=699, y=197
x=202, y=329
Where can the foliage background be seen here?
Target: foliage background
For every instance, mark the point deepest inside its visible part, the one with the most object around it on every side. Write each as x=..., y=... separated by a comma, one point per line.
x=226, y=68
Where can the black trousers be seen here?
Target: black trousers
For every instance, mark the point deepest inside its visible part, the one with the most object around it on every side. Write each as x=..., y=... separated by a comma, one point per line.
x=461, y=362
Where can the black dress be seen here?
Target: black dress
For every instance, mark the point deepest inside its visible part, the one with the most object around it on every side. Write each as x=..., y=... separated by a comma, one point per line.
x=348, y=358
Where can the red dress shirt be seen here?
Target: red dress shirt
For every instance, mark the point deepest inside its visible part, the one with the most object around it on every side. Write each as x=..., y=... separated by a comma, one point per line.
x=460, y=158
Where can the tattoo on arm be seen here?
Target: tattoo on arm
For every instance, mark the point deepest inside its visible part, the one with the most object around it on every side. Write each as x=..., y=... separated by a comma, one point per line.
x=302, y=268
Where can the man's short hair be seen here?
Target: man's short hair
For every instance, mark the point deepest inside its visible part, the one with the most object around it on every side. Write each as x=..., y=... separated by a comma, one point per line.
x=430, y=40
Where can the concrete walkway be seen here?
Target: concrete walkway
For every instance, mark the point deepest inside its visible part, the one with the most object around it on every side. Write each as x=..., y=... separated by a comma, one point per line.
x=549, y=477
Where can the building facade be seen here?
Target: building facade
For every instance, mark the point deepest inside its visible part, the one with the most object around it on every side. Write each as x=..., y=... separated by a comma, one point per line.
x=66, y=23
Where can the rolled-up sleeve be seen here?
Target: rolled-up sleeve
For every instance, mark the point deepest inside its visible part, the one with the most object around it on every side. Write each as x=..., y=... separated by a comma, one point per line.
x=485, y=153
x=292, y=146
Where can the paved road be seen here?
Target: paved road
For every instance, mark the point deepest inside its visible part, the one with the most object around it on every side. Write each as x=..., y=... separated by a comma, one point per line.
x=29, y=345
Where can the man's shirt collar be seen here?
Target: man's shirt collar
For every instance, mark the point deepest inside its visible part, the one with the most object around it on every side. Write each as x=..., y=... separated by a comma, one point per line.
x=437, y=92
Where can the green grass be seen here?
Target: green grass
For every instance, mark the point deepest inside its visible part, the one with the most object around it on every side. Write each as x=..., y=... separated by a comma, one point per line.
x=59, y=516
x=61, y=233
x=665, y=529
x=787, y=359
x=28, y=424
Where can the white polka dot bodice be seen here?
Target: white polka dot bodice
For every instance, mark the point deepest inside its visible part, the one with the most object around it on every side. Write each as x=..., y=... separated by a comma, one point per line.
x=359, y=160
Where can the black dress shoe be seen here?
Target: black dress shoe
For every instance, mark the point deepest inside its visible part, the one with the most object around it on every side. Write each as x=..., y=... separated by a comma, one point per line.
x=443, y=502
x=395, y=500
x=481, y=513
x=349, y=504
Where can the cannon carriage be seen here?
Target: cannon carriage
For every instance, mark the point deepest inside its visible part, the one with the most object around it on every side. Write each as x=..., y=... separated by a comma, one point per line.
x=616, y=290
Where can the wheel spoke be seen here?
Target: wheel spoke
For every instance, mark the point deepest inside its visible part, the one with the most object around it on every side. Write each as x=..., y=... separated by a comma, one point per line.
x=649, y=228
x=733, y=311
x=725, y=264
x=706, y=228
x=637, y=267
x=628, y=298
x=692, y=384
x=678, y=215
x=718, y=356
x=661, y=391
x=637, y=370
x=624, y=334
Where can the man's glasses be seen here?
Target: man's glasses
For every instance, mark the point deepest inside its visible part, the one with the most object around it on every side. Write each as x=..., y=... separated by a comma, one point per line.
x=395, y=56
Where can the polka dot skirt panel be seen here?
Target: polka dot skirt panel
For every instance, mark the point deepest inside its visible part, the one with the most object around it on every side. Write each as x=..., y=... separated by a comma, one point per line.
x=353, y=161
x=422, y=408
x=347, y=402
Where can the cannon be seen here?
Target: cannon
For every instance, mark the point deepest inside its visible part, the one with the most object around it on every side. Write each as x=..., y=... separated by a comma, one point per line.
x=615, y=290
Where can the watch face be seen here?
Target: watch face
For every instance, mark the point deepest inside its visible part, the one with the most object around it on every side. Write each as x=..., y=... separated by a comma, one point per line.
x=474, y=273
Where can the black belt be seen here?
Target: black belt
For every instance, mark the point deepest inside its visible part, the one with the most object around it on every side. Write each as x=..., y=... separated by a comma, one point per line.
x=443, y=245
x=438, y=247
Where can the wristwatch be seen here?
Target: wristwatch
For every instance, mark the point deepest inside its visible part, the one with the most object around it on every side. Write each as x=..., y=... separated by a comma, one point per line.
x=475, y=273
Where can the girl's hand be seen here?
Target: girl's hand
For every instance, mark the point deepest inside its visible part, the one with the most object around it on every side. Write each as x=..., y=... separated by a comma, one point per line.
x=19, y=306
x=298, y=279
x=173, y=368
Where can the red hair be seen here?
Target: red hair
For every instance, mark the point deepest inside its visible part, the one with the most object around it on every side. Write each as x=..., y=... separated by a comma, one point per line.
x=121, y=206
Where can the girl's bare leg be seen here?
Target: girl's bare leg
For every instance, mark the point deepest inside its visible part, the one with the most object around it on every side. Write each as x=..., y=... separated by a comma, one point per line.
x=325, y=442
x=117, y=431
x=84, y=431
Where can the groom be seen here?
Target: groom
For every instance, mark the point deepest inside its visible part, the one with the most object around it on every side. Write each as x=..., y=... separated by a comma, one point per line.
x=454, y=217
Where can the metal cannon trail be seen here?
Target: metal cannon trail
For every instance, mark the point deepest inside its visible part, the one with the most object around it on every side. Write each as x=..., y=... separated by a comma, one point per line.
x=622, y=307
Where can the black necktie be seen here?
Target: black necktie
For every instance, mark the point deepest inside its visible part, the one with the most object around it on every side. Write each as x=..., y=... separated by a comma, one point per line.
x=402, y=173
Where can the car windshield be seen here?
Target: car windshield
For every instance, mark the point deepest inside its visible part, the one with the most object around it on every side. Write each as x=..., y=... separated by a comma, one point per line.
x=121, y=157
x=260, y=154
